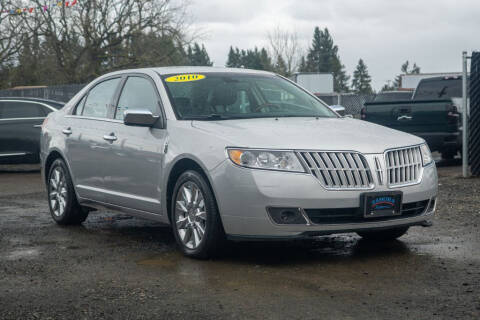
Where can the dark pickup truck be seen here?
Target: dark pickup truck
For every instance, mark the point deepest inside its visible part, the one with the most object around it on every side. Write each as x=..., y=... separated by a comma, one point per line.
x=430, y=114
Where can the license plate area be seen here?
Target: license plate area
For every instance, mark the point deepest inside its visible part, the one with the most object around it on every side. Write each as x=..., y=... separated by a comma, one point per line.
x=382, y=204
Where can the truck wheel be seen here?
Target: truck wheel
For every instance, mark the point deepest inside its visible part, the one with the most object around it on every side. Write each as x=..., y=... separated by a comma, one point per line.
x=62, y=200
x=383, y=235
x=195, y=219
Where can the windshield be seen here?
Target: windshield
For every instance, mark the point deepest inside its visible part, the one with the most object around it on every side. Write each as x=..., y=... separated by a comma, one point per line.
x=217, y=96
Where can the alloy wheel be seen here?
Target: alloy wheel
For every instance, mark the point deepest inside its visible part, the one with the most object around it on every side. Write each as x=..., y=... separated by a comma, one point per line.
x=58, y=191
x=190, y=215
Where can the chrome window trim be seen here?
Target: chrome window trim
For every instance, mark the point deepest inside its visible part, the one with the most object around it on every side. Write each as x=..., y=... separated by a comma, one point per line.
x=13, y=119
x=13, y=154
x=71, y=116
x=420, y=175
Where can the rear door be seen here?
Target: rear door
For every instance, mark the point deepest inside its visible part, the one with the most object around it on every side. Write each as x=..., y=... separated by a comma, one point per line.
x=20, y=125
x=133, y=174
x=86, y=149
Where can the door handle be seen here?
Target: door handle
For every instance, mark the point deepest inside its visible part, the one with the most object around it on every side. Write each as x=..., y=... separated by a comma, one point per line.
x=37, y=126
x=404, y=117
x=67, y=131
x=111, y=137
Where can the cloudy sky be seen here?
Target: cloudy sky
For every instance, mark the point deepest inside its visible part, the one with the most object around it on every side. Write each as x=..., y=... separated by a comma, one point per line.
x=384, y=33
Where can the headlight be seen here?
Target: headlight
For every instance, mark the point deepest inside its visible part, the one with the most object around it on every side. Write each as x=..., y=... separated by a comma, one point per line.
x=266, y=159
x=426, y=154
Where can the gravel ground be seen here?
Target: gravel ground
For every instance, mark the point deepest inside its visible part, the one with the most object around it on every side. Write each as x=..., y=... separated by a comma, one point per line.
x=118, y=267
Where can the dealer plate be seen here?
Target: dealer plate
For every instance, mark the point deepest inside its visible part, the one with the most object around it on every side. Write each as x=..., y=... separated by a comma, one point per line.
x=382, y=204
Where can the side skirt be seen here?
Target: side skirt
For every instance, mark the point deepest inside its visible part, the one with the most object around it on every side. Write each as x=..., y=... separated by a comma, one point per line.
x=133, y=212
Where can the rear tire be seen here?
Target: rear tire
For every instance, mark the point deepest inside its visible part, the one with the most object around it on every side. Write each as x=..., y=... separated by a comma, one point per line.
x=195, y=220
x=62, y=201
x=383, y=235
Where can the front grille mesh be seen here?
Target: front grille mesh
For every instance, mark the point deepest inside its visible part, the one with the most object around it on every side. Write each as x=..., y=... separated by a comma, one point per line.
x=339, y=170
x=403, y=166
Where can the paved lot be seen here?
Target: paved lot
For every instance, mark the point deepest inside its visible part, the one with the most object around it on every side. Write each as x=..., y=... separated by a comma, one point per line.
x=118, y=267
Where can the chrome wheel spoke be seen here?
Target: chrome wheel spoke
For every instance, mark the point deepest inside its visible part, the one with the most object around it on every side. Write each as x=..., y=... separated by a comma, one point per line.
x=196, y=238
x=200, y=229
x=187, y=195
x=182, y=223
x=181, y=206
x=201, y=215
x=187, y=235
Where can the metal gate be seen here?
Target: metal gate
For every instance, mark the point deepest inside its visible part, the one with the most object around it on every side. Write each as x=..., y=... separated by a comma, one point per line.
x=474, y=123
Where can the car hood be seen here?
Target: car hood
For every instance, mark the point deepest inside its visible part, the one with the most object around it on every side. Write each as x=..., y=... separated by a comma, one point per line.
x=344, y=134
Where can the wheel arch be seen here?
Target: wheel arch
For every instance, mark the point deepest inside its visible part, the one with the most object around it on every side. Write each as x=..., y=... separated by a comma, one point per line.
x=181, y=165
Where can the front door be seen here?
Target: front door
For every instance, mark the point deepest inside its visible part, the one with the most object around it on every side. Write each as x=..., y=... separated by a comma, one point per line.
x=133, y=173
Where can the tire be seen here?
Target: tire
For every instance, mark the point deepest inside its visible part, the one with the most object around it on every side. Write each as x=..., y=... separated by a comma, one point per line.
x=383, y=235
x=62, y=201
x=190, y=216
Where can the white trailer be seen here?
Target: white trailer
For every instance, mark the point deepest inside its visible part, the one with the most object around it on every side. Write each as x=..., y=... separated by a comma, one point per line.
x=316, y=83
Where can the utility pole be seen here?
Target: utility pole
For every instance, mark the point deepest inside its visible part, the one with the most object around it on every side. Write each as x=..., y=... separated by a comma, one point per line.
x=465, y=169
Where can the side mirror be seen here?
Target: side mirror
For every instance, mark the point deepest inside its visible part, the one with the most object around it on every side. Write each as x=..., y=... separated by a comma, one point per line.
x=140, y=118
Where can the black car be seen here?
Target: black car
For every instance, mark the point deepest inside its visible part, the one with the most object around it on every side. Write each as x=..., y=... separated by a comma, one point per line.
x=20, y=126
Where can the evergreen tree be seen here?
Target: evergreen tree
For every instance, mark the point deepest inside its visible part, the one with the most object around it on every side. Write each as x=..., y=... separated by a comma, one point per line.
x=234, y=58
x=280, y=67
x=250, y=59
x=198, y=56
x=361, y=79
x=323, y=57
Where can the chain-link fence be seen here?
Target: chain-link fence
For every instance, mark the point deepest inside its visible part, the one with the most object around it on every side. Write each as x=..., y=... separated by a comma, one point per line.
x=61, y=93
x=353, y=103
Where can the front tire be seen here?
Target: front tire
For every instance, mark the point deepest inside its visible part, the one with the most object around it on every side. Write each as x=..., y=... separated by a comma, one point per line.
x=195, y=219
x=62, y=201
x=383, y=235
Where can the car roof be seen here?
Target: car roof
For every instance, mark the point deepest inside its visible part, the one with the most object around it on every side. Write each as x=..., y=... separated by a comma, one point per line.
x=53, y=103
x=193, y=69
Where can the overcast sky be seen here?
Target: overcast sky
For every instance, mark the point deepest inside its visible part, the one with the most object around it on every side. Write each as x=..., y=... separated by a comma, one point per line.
x=384, y=33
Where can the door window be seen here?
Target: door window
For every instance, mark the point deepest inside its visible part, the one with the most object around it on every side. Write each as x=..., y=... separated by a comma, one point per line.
x=99, y=99
x=15, y=110
x=138, y=93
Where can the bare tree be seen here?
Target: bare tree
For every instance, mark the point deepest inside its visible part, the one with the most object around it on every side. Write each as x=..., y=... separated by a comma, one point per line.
x=94, y=36
x=284, y=46
x=12, y=33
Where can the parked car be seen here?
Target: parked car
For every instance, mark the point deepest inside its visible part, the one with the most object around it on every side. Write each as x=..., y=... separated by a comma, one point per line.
x=431, y=114
x=207, y=151
x=20, y=127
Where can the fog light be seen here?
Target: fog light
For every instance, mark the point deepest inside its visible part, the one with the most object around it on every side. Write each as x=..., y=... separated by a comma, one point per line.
x=286, y=215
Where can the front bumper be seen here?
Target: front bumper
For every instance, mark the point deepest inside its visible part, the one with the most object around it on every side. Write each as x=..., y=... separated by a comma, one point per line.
x=243, y=196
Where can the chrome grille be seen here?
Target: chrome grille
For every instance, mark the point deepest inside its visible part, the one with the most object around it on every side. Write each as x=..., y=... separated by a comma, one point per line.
x=404, y=166
x=339, y=170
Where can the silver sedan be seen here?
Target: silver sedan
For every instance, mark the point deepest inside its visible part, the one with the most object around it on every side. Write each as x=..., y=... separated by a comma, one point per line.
x=234, y=154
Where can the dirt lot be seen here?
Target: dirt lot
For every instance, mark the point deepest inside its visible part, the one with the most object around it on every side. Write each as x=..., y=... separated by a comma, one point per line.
x=118, y=267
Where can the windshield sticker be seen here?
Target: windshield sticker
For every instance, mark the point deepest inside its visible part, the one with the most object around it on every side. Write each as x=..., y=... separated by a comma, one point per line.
x=185, y=78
